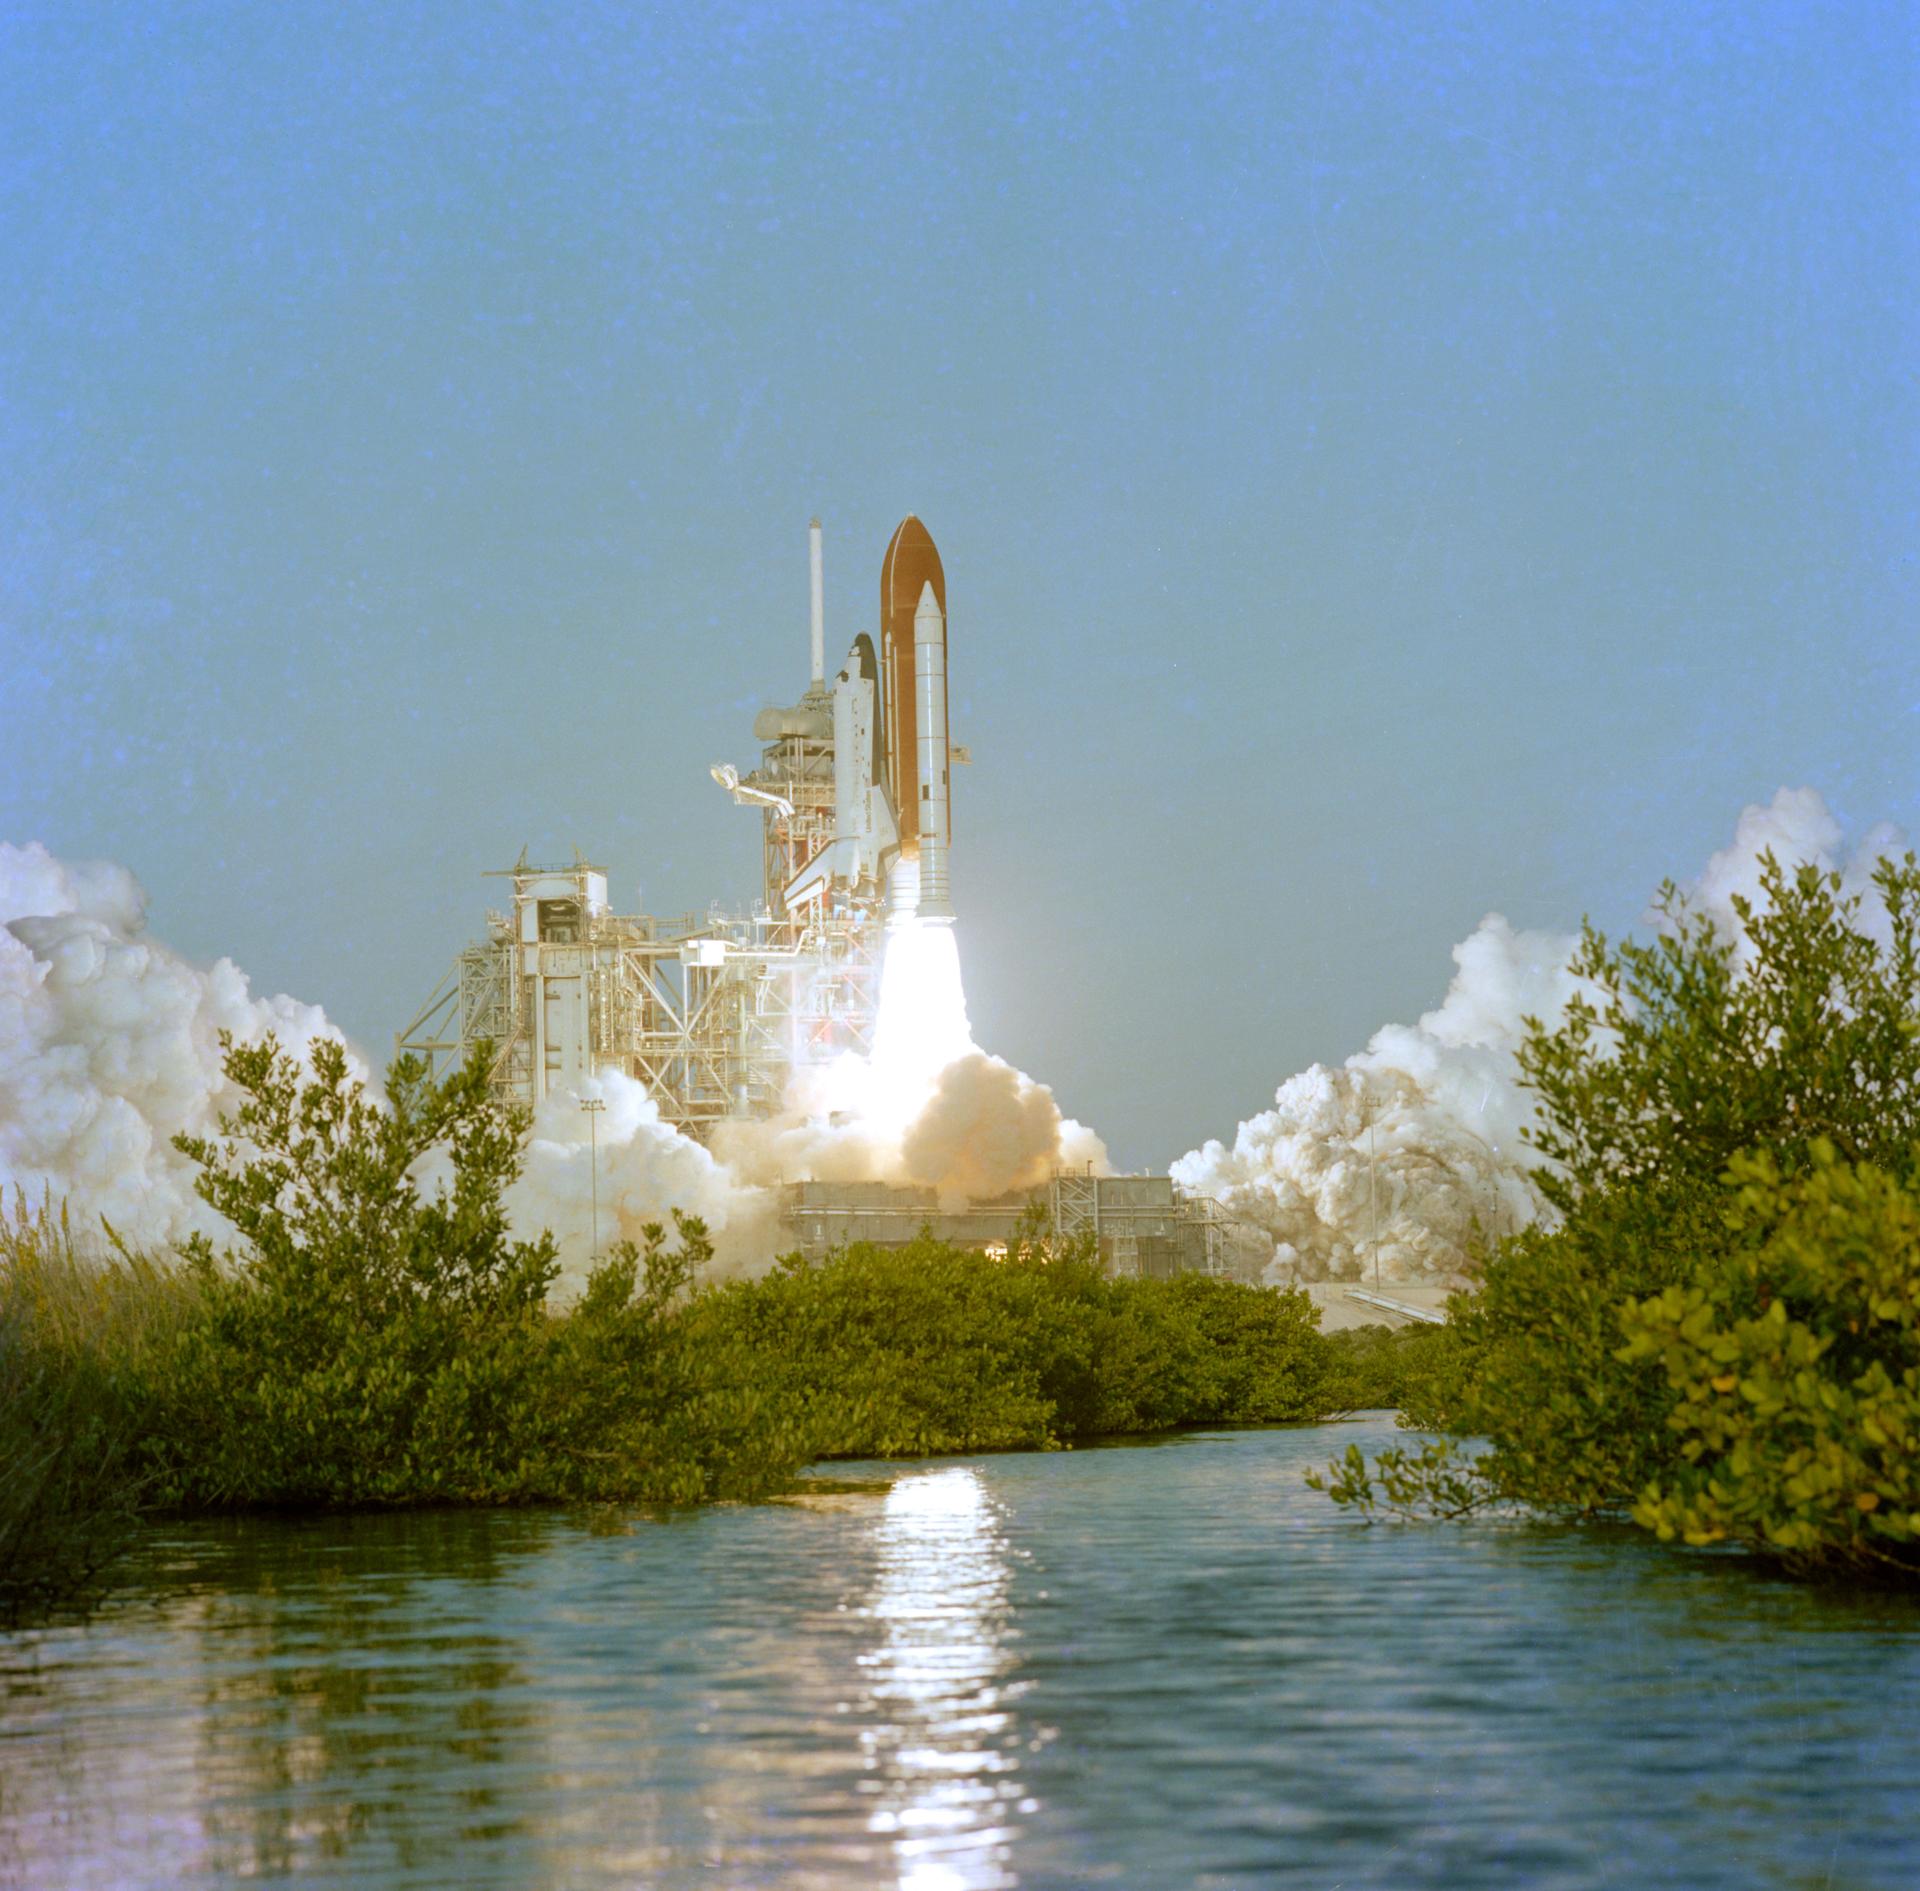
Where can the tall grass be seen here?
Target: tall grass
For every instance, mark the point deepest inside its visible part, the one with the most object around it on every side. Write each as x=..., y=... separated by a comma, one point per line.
x=78, y=1321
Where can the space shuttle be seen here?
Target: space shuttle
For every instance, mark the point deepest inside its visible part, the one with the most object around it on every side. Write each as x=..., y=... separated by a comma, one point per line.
x=891, y=748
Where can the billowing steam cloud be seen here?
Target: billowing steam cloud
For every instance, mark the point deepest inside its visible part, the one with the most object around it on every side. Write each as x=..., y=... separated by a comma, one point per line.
x=109, y=1047
x=986, y=1129
x=930, y=1107
x=1400, y=1151
x=1409, y=1144
x=628, y=1169
x=979, y=1128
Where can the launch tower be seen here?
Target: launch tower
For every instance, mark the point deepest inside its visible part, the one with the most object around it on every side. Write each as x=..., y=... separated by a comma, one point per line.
x=713, y=1011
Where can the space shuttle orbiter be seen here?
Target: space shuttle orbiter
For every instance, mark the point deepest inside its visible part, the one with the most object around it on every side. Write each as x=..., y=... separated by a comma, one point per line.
x=891, y=750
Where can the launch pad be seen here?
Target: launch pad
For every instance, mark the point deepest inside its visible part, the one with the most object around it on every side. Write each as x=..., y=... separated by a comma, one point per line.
x=710, y=1012
x=715, y=1014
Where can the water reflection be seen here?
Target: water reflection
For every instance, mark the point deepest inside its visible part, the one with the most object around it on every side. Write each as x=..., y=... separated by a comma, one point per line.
x=325, y=1690
x=860, y=1688
x=942, y=1744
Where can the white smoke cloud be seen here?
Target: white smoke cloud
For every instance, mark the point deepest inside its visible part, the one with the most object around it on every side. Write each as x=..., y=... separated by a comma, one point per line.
x=1797, y=828
x=986, y=1129
x=110, y=1047
x=626, y=1169
x=930, y=1108
x=1397, y=1153
x=1402, y=1149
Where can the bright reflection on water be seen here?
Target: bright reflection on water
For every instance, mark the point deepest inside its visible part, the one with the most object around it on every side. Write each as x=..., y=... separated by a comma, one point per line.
x=948, y=1789
x=1146, y=1668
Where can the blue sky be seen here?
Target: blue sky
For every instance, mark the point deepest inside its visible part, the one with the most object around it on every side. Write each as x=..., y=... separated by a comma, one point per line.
x=1390, y=465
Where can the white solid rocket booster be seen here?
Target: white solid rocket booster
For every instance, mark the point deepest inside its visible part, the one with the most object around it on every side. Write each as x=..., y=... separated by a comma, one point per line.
x=930, y=732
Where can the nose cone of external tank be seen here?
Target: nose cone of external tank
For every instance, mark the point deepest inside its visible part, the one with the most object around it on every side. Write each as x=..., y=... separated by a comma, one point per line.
x=912, y=560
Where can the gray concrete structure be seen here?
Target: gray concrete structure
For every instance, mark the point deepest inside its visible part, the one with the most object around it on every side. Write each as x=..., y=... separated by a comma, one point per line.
x=1143, y=1224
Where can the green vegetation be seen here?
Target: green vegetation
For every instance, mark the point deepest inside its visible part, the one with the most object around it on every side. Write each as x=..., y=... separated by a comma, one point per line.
x=70, y=1488
x=376, y=1337
x=1378, y=1368
x=379, y=1344
x=928, y=1348
x=1719, y=1336
x=366, y=1343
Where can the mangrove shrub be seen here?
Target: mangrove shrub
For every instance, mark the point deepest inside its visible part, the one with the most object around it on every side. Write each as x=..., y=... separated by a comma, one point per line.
x=1694, y=1105
x=882, y=1352
x=374, y=1338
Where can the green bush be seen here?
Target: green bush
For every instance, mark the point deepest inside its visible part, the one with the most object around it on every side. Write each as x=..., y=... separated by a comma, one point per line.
x=1794, y=1371
x=1379, y=1368
x=1702, y=1072
x=930, y=1348
x=640, y=1397
x=370, y=1342
x=362, y=1342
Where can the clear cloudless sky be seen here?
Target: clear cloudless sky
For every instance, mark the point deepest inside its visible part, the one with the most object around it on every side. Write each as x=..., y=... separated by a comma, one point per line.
x=1391, y=463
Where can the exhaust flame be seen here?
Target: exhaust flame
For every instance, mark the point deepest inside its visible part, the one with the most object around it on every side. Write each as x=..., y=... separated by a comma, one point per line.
x=927, y=1107
x=922, y=1026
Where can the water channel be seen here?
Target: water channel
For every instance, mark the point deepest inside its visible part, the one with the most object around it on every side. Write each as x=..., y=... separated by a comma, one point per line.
x=1144, y=1666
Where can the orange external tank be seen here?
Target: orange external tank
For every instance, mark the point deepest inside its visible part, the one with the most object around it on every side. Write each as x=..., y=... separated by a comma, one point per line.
x=912, y=562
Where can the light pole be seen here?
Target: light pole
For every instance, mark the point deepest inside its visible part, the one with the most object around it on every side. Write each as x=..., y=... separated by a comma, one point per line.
x=1370, y=1107
x=593, y=1106
x=1373, y=1204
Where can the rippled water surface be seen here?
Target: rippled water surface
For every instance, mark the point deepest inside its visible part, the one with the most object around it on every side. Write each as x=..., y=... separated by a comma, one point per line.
x=1152, y=1666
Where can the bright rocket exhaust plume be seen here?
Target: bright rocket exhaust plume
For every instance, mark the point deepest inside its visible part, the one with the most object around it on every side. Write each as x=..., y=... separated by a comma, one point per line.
x=969, y=1125
x=922, y=1025
x=929, y=1107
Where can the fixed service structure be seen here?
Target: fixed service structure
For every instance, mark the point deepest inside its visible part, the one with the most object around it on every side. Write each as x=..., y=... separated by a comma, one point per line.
x=713, y=1011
